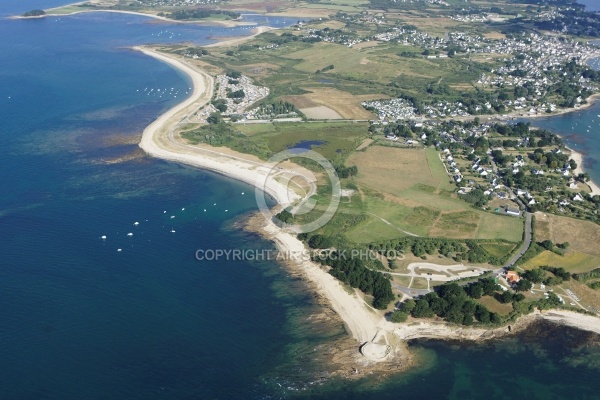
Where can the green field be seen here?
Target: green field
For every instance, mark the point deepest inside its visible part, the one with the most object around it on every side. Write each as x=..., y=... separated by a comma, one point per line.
x=498, y=249
x=572, y=261
x=339, y=138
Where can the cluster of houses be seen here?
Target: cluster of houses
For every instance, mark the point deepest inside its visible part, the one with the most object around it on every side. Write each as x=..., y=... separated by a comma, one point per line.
x=470, y=17
x=332, y=36
x=392, y=110
x=538, y=56
x=452, y=168
x=174, y=3
x=402, y=109
x=235, y=106
x=446, y=109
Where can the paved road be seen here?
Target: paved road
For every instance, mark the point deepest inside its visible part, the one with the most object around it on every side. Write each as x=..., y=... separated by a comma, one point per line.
x=446, y=272
x=528, y=230
x=526, y=242
x=412, y=292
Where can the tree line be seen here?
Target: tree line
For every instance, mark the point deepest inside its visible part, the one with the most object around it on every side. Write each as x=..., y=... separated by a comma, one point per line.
x=459, y=249
x=355, y=272
x=198, y=14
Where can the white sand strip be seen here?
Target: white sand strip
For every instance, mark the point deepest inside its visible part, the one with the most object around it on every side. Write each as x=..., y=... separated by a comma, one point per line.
x=157, y=140
x=578, y=158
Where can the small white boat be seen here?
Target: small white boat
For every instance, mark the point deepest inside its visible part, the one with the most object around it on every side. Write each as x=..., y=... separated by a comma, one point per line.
x=119, y=249
x=172, y=230
x=183, y=209
x=130, y=234
x=136, y=223
x=103, y=237
x=172, y=216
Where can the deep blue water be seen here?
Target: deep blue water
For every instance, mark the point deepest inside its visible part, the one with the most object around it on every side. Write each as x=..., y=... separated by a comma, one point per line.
x=81, y=320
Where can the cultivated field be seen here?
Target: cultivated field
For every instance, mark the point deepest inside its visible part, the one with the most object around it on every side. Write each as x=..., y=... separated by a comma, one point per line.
x=345, y=104
x=393, y=170
x=572, y=261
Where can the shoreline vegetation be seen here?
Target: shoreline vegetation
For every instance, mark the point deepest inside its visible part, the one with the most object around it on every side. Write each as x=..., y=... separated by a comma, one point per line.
x=226, y=23
x=379, y=339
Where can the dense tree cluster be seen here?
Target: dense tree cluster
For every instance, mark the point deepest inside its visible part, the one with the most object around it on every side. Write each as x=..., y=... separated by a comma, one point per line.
x=522, y=130
x=277, y=108
x=220, y=105
x=238, y=94
x=550, y=159
x=234, y=74
x=356, y=272
x=584, y=276
x=455, y=304
x=34, y=13
x=346, y=172
x=200, y=14
x=285, y=216
x=460, y=249
x=475, y=197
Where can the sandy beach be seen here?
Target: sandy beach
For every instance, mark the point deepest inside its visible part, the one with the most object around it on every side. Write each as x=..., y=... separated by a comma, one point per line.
x=578, y=158
x=237, y=41
x=158, y=141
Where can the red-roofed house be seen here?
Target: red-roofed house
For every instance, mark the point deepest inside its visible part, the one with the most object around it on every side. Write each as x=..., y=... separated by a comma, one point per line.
x=512, y=277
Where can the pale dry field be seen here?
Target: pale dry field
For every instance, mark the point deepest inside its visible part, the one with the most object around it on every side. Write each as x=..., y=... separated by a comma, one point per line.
x=583, y=236
x=320, y=112
x=392, y=169
x=345, y=104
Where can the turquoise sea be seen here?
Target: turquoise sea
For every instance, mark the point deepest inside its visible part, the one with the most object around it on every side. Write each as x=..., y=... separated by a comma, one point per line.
x=81, y=320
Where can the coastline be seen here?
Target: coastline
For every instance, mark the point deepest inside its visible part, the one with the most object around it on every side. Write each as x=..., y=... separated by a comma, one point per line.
x=157, y=141
x=578, y=158
x=575, y=155
x=362, y=323
x=226, y=23
x=236, y=41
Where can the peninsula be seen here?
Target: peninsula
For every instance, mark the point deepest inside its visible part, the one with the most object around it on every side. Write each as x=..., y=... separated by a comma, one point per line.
x=465, y=221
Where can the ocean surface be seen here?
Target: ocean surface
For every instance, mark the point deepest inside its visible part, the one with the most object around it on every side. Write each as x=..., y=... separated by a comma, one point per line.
x=580, y=131
x=590, y=5
x=80, y=319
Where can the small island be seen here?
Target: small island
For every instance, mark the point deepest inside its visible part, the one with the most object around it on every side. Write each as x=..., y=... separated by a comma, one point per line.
x=34, y=13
